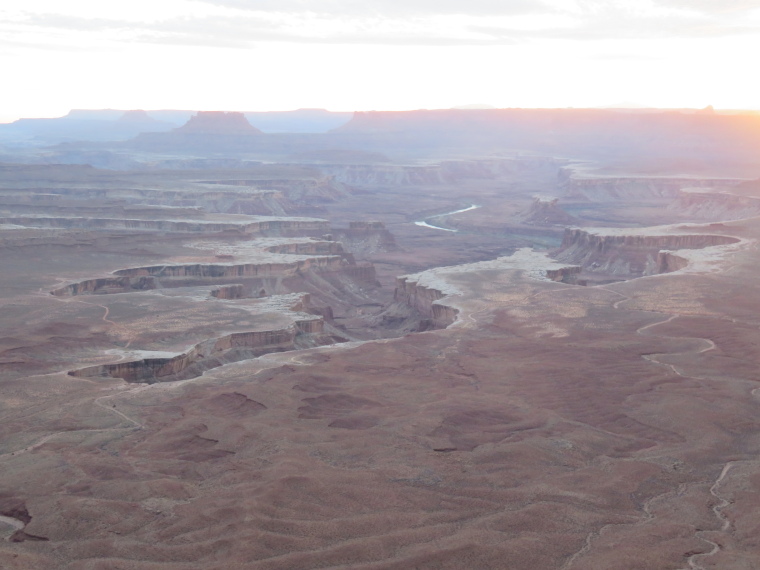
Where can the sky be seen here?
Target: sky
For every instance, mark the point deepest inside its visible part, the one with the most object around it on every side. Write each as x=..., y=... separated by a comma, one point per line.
x=353, y=55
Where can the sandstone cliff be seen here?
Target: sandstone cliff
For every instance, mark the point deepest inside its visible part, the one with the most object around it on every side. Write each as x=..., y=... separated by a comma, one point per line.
x=695, y=204
x=425, y=300
x=234, y=291
x=268, y=226
x=364, y=238
x=444, y=172
x=628, y=253
x=631, y=189
x=212, y=271
x=213, y=353
x=546, y=212
x=106, y=285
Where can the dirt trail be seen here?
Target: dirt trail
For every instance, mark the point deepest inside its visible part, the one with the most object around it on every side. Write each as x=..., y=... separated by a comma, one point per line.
x=717, y=510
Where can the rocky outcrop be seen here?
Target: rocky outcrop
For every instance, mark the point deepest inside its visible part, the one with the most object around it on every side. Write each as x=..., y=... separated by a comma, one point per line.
x=667, y=261
x=362, y=273
x=258, y=279
x=269, y=226
x=628, y=254
x=632, y=189
x=229, y=292
x=296, y=190
x=213, y=353
x=546, y=212
x=255, y=196
x=703, y=205
x=364, y=238
x=567, y=274
x=106, y=285
x=445, y=172
x=425, y=300
x=214, y=271
x=313, y=247
x=392, y=175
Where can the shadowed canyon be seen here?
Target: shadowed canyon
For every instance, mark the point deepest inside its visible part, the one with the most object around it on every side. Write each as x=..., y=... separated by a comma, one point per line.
x=485, y=339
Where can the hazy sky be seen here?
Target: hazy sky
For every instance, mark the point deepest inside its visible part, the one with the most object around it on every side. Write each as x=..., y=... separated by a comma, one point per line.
x=363, y=54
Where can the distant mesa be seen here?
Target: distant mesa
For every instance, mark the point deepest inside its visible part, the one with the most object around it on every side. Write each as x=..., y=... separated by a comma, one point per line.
x=475, y=106
x=137, y=116
x=218, y=123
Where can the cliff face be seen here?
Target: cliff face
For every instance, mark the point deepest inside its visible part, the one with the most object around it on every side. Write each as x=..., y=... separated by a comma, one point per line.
x=232, y=270
x=667, y=261
x=630, y=189
x=106, y=285
x=323, y=188
x=212, y=353
x=248, y=279
x=308, y=248
x=424, y=300
x=363, y=238
x=446, y=172
x=234, y=291
x=391, y=175
x=628, y=255
x=264, y=227
x=546, y=212
x=565, y=274
x=714, y=206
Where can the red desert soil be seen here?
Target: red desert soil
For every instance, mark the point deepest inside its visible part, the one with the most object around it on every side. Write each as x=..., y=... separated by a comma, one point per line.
x=552, y=426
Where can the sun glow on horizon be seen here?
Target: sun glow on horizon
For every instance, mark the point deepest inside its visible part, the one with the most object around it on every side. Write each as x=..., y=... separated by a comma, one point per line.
x=259, y=56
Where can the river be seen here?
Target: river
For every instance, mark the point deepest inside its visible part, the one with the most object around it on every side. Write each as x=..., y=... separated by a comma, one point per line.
x=425, y=224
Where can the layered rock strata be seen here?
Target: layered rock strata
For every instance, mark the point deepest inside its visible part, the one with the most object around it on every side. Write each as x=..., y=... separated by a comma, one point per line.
x=702, y=204
x=228, y=292
x=106, y=285
x=304, y=330
x=431, y=294
x=258, y=226
x=632, y=189
x=444, y=172
x=209, y=354
x=630, y=252
x=225, y=270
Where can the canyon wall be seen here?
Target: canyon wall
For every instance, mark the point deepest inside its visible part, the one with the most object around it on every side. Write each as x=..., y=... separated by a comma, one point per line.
x=633, y=254
x=565, y=274
x=229, y=292
x=363, y=238
x=444, y=172
x=199, y=270
x=314, y=247
x=259, y=279
x=424, y=300
x=714, y=206
x=667, y=261
x=106, y=285
x=631, y=189
x=266, y=227
x=212, y=353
